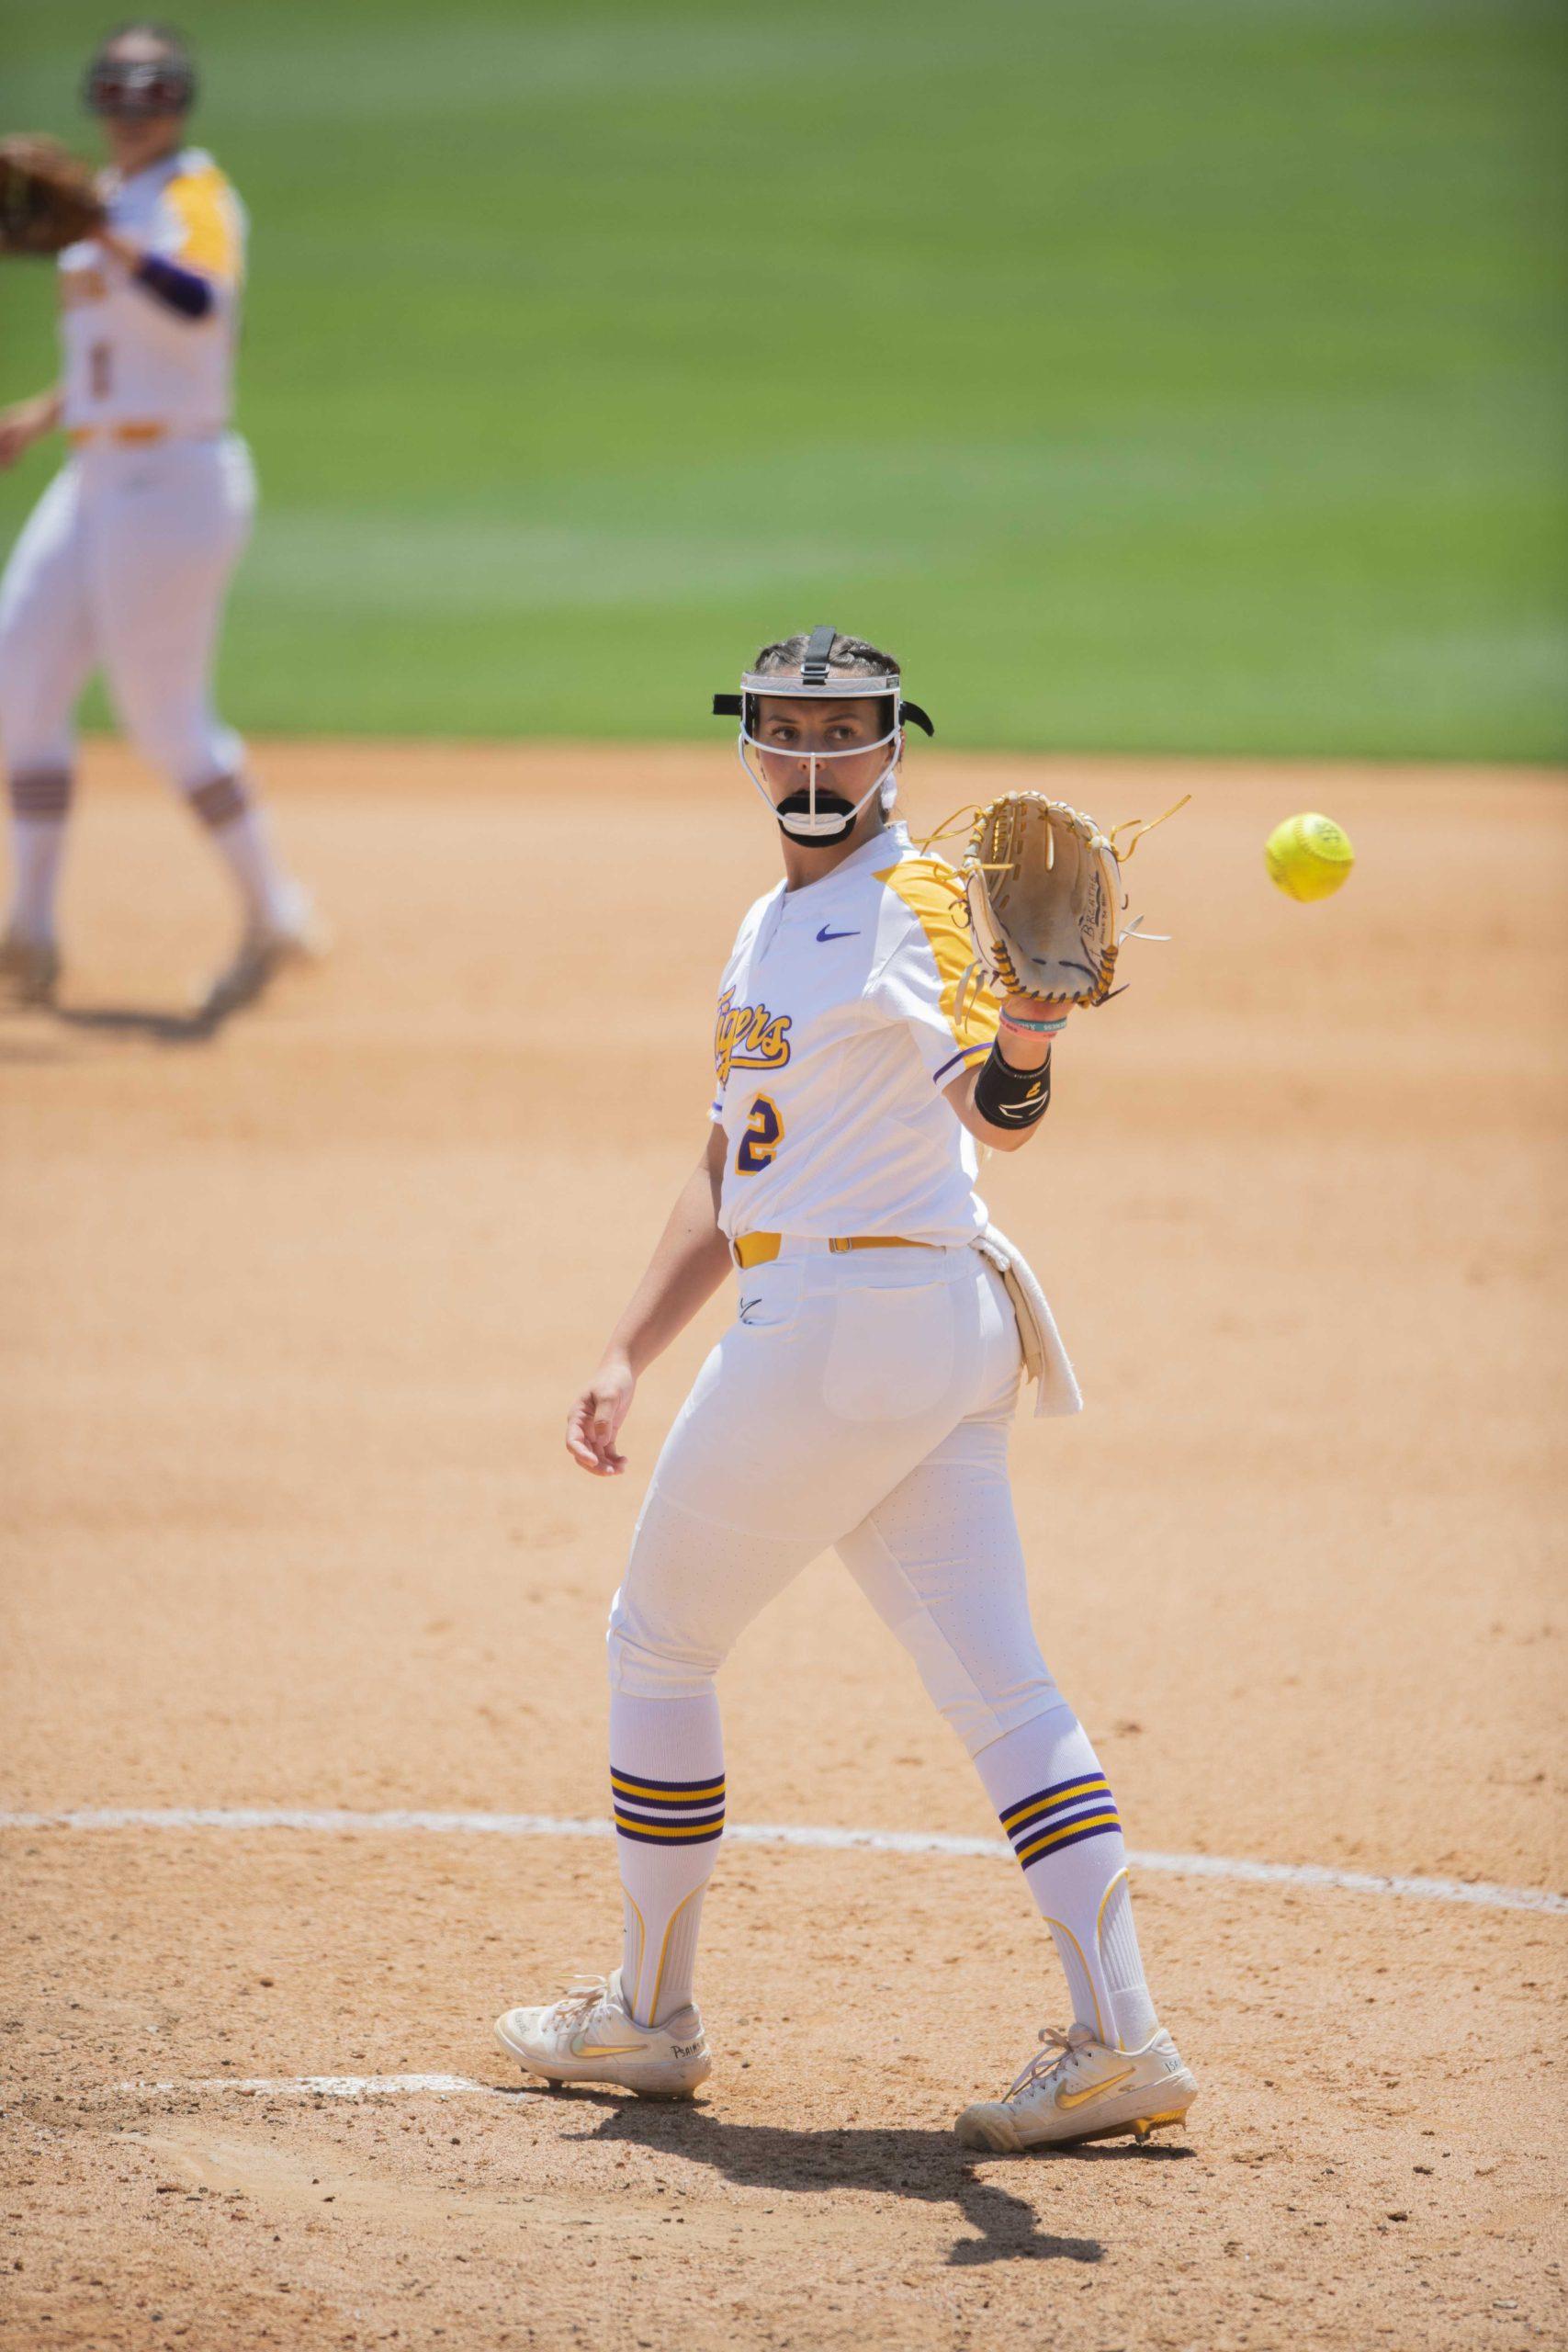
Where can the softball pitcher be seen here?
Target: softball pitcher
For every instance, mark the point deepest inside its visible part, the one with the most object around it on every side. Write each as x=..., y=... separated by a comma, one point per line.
x=861, y=1399
x=125, y=561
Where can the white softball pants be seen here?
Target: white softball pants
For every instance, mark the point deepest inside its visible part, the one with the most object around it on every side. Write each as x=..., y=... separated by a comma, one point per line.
x=861, y=1402
x=123, y=566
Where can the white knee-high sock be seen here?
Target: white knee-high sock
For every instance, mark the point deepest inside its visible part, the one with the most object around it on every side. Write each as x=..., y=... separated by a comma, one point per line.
x=41, y=802
x=1056, y=1807
x=242, y=839
x=667, y=1789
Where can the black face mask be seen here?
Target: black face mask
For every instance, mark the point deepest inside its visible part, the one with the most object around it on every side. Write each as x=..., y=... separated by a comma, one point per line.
x=829, y=804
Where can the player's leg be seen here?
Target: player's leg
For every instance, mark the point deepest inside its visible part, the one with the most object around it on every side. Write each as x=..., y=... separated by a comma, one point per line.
x=640, y=2028
x=693, y=1585
x=941, y=1562
x=761, y=1471
x=168, y=533
x=939, y=1559
x=46, y=657
x=695, y=1579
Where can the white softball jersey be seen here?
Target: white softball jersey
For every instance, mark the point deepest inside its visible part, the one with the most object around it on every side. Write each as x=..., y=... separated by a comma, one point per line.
x=125, y=560
x=837, y=1033
x=128, y=359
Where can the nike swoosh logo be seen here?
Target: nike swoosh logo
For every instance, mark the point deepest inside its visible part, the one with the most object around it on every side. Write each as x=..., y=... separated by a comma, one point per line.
x=581, y=2049
x=824, y=935
x=1095, y=2090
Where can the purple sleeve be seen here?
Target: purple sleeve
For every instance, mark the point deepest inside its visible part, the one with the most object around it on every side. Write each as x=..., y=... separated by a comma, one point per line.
x=182, y=290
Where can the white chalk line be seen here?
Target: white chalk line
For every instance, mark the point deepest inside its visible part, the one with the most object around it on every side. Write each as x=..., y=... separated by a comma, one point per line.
x=341, y=1821
x=324, y=2086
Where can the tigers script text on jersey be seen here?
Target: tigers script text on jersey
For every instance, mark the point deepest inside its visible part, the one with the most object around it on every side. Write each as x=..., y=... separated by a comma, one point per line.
x=834, y=1038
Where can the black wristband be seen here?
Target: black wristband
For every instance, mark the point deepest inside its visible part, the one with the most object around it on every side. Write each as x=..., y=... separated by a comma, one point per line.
x=1008, y=1097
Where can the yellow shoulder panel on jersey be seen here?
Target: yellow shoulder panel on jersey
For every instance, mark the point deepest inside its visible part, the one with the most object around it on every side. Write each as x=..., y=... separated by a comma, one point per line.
x=204, y=206
x=929, y=888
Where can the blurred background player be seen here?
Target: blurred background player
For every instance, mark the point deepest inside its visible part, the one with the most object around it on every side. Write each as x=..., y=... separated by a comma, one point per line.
x=125, y=561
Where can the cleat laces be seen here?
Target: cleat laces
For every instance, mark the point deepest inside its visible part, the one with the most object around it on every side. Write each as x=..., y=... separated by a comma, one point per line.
x=578, y=2002
x=1061, y=2051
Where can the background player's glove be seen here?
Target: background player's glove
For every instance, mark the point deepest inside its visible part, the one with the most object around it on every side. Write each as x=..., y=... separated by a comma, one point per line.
x=48, y=199
x=1044, y=891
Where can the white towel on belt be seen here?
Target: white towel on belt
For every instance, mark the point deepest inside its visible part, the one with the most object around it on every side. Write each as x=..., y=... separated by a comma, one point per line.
x=1045, y=1358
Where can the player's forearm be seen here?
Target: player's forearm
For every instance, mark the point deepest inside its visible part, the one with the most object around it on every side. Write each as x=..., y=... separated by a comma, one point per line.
x=28, y=422
x=1003, y=1102
x=688, y=1265
x=1004, y=1117
x=184, y=291
x=961, y=1096
x=43, y=413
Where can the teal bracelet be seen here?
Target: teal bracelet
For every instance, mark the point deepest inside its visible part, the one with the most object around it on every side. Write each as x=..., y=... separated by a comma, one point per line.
x=1044, y=1028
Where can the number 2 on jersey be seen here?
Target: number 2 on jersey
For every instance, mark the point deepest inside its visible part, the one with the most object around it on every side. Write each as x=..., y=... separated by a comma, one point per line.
x=764, y=1133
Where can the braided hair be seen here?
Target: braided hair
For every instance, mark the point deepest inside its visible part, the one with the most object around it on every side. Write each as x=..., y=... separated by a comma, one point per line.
x=851, y=655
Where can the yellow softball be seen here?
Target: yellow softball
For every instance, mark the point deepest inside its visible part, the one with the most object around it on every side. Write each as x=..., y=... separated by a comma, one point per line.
x=1308, y=856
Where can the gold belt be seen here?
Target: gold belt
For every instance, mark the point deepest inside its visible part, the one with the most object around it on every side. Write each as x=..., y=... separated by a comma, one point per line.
x=130, y=437
x=757, y=1248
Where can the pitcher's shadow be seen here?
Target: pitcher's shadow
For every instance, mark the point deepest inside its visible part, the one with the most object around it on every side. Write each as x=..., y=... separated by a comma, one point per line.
x=927, y=2166
x=158, y=1025
x=143, y=1021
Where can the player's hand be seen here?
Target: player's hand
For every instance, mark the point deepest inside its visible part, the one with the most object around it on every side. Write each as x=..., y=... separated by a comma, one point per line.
x=594, y=1421
x=21, y=426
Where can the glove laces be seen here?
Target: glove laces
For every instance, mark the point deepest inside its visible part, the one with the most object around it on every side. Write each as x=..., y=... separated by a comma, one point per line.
x=1138, y=826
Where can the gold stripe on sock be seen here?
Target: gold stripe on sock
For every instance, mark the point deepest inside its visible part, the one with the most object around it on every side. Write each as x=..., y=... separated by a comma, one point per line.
x=664, y=1797
x=1092, y=1786
x=1067, y=1829
x=694, y=1830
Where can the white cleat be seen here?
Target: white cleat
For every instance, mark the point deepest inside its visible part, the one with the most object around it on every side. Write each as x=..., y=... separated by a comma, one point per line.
x=29, y=970
x=592, y=2037
x=264, y=952
x=1078, y=2088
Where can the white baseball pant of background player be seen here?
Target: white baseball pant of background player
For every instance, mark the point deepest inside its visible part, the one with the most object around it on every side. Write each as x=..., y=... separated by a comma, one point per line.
x=123, y=566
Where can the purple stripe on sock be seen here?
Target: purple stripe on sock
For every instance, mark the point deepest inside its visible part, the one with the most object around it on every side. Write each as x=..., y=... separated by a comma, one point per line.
x=1101, y=1829
x=1049, y=1822
x=219, y=802
x=1047, y=1796
x=668, y=1821
x=45, y=793
x=1095, y=1800
x=674, y=1790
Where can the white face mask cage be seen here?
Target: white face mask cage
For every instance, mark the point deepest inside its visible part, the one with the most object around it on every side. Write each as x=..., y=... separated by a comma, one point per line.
x=801, y=816
x=812, y=823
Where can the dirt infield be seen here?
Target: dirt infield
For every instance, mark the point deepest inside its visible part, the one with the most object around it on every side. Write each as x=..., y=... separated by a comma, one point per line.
x=292, y=1317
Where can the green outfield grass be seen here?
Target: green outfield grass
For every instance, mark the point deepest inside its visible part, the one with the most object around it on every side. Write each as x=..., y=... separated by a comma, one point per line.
x=1160, y=374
